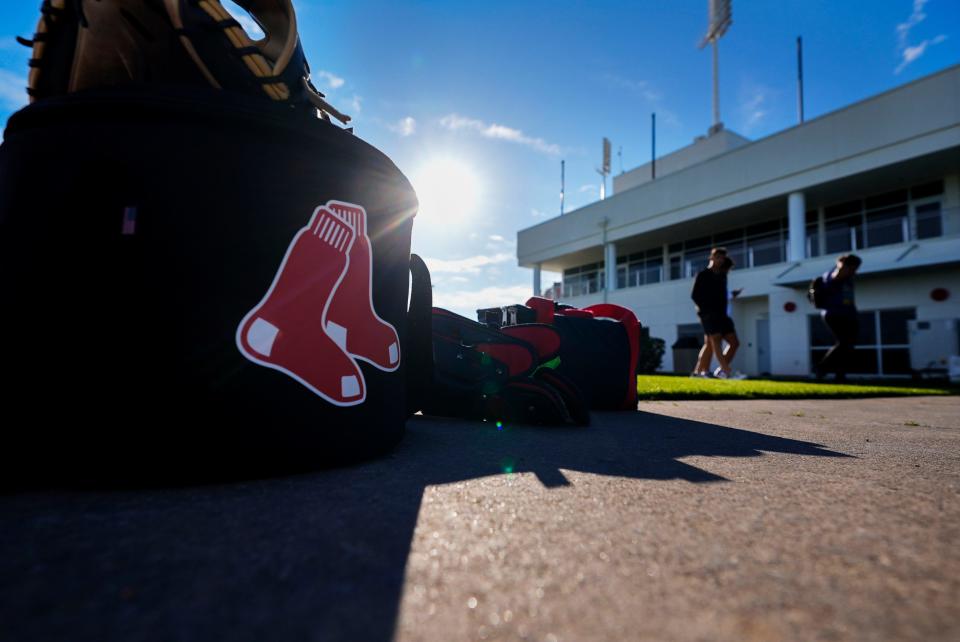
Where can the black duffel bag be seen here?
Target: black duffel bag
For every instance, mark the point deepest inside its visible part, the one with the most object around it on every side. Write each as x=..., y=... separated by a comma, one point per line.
x=198, y=278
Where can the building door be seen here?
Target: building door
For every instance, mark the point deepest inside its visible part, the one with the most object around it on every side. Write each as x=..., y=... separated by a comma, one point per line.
x=763, y=346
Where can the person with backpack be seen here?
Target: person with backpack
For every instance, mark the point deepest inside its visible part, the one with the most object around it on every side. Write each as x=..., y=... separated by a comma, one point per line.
x=710, y=297
x=833, y=293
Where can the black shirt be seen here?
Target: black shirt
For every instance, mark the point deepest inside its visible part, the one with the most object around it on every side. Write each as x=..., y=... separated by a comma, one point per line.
x=710, y=292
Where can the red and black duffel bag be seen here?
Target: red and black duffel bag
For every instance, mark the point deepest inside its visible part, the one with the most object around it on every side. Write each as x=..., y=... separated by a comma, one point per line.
x=599, y=350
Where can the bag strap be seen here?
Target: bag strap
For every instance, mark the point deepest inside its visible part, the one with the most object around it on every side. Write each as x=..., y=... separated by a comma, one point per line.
x=418, y=348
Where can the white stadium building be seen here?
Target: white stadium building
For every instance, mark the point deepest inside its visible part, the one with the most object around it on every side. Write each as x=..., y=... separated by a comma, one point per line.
x=880, y=178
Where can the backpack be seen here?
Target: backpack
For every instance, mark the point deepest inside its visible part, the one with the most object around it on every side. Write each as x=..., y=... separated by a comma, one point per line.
x=206, y=279
x=817, y=293
x=481, y=372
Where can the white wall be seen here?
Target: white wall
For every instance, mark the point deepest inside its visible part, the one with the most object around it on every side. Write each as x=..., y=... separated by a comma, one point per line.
x=702, y=149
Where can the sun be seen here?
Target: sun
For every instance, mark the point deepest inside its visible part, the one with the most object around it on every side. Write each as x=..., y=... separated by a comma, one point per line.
x=448, y=189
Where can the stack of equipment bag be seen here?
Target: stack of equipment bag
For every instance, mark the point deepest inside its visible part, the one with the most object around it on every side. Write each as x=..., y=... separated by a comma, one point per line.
x=499, y=374
x=599, y=349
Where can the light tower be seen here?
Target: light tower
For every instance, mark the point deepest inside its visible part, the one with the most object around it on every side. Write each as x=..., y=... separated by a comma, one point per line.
x=721, y=17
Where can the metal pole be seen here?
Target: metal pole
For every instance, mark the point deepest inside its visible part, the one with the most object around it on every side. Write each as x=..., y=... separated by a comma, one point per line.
x=800, y=77
x=653, y=145
x=603, y=245
x=716, y=85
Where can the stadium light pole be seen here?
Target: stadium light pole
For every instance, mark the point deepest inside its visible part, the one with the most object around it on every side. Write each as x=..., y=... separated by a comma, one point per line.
x=720, y=15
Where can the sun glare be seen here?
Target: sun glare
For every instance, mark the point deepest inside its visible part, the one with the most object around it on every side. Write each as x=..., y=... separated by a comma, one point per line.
x=448, y=190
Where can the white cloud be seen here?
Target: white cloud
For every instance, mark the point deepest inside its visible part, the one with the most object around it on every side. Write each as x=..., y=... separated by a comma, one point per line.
x=469, y=265
x=588, y=189
x=13, y=90
x=651, y=95
x=466, y=302
x=916, y=17
x=333, y=81
x=496, y=243
x=405, y=126
x=754, y=109
x=756, y=104
x=455, y=122
x=909, y=53
x=535, y=213
x=355, y=103
x=641, y=87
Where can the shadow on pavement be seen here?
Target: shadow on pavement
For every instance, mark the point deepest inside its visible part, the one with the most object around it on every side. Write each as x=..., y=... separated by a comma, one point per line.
x=314, y=556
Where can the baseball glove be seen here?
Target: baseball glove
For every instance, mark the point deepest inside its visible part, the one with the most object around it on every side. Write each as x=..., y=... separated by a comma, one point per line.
x=82, y=45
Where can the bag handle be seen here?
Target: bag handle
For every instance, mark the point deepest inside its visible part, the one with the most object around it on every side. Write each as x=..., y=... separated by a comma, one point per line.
x=418, y=348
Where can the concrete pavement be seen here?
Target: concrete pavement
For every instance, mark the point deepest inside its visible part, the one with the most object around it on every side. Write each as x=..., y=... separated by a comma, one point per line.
x=792, y=520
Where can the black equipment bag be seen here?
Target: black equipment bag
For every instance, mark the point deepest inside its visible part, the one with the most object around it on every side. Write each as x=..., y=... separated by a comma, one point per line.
x=480, y=372
x=599, y=350
x=202, y=276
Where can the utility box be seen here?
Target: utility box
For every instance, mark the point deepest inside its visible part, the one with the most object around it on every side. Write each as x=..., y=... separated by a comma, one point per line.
x=685, y=353
x=932, y=343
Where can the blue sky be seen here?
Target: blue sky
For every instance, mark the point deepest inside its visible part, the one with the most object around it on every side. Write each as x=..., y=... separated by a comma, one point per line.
x=505, y=90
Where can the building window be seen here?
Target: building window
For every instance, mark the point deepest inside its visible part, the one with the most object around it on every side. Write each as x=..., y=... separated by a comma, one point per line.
x=735, y=244
x=584, y=279
x=696, y=255
x=640, y=268
x=749, y=247
x=676, y=267
x=884, y=219
x=883, y=344
x=813, y=233
x=929, y=223
x=843, y=227
x=887, y=226
x=765, y=244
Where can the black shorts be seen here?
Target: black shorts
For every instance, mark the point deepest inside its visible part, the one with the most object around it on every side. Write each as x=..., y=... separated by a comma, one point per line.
x=716, y=324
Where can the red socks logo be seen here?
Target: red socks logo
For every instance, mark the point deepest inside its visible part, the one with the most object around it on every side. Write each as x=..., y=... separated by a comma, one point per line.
x=318, y=316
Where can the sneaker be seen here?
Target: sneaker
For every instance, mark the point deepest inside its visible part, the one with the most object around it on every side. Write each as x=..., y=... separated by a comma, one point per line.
x=737, y=375
x=720, y=374
x=700, y=375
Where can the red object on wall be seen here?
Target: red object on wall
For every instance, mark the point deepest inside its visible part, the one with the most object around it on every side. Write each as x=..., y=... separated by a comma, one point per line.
x=939, y=294
x=789, y=306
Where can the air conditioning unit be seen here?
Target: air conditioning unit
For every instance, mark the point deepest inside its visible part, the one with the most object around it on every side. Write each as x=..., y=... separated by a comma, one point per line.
x=933, y=342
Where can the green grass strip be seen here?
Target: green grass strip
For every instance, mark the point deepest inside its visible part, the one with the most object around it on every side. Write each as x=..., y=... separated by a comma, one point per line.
x=665, y=387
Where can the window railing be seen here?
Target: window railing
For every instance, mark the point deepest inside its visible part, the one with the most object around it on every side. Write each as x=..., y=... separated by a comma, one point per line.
x=886, y=227
x=922, y=221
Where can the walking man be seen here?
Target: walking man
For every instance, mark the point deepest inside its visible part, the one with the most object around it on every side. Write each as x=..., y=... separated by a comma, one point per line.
x=840, y=315
x=710, y=296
